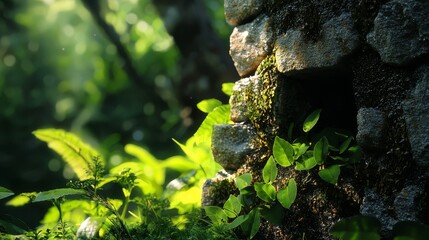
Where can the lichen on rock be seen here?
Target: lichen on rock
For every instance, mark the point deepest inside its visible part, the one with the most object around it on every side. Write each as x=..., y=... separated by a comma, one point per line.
x=250, y=44
x=253, y=99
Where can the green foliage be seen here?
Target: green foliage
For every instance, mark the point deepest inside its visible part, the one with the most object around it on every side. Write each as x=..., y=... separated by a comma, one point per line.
x=216, y=214
x=324, y=150
x=283, y=152
x=357, y=227
x=243, y=181
x=219, y=115
x=4, y=192
x=287, y=195
x=368, y=227
x=76, y=153
x=311, y=120
x=331, y=150
x=269, y=173
x=252, y=223
x=227, y=88
x=265, y=191
x=146, y=203
x=330, y=174
x=208, y=105
x=232, y=206
x=55, y=194
x=21, y=199
x=407, y=230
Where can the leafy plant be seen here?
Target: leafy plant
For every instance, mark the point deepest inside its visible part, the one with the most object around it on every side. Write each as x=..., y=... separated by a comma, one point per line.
x=147, y=207
x=4, y=192
x=368, y=227
x=329, y=150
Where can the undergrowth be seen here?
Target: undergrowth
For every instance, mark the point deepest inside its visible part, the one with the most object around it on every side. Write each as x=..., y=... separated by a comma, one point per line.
x=149, y=208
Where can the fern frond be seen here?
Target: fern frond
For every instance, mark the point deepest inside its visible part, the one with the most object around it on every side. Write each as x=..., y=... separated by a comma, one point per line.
x=78, y=155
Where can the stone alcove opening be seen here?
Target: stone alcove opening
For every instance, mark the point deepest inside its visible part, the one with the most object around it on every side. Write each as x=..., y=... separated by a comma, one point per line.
x=333, y=93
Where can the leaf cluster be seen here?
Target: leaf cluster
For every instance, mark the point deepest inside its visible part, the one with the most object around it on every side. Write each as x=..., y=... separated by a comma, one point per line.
x=368, y=227
x=328, y=155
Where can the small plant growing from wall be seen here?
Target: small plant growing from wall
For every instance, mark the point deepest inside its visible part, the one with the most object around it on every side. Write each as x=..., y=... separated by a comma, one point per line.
x=328, y=152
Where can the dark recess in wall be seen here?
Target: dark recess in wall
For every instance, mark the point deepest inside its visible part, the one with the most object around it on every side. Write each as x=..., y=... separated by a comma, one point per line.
x=334, y=95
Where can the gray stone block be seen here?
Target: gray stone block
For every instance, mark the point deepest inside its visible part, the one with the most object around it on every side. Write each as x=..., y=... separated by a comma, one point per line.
x=231, y=143
x=295, y=55
x=416, y=114
x=207, y=191
x=238, y=11
x=240, y=95
x=401, y=31
x=405, y=203
x=372, y=205
x=250, y=44
x=371, y=124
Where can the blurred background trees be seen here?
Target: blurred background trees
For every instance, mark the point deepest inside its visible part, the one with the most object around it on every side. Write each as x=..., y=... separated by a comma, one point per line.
x=111, y=71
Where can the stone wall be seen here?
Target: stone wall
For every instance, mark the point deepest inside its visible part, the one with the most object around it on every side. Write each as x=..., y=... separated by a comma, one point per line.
x=365, y=64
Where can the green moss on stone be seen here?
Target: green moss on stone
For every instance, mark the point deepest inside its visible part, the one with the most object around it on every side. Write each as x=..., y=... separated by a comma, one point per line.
x=261, y=99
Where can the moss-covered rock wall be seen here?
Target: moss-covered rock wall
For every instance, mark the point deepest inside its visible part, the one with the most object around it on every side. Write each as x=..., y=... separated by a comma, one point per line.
x=366, y=65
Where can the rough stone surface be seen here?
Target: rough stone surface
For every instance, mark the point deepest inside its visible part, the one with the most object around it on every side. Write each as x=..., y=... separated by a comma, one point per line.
x=401, y=31
x=250, y=44
x=296, y=55
x=405, y=203
x=371, y=124
x=237, y=101
x=239, y=11
x=372, y=204
x=416, y=114
x=207, y=200
x=231, y=143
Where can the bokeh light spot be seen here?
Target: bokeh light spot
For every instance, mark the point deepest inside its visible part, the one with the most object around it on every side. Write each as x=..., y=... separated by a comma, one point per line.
x=138, y=135
x=9, y=60
x=54, y=165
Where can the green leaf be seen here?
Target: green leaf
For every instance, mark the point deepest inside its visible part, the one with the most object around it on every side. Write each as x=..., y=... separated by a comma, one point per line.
x=339, y=158
x=216, y=214
x=74, y=152
x=265, y=191
x=208, y=105
x=273, y=213
x=219, y=115
x=232, y=206
x=237, y=222
x=179, y=163
x=355, y=154
x=345, y=145
x=357, y=227
x=247, y=195
x=243, y=181
x=330, y=174
x=409, y=230
x=287, y=195
x=56, y=193
x=227, y=88
x=251, y=226
x=151, y=167
x=307, y=162
x=283, y=152
x=12, y=225
x=4, y=192
x=269, y=172
x=321, y=150
x=311, y=120
x=21, y=199
x=299, y=149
